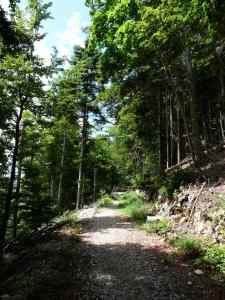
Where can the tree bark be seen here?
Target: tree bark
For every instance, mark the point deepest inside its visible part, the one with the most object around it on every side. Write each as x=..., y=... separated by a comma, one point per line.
x=17, y=197
x=82, y=149
x=219, y=51
x=194, y=109
x=61, y=170
x=95, y=185
x=179, y=136
x=162, y=154
x=9, y=196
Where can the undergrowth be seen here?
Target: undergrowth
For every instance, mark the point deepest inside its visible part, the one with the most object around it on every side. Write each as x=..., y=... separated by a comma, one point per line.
x=188, y=247
x=159, y=227
x=105, y=201
x=134, y=206
x=68, y=218
x=202, y=253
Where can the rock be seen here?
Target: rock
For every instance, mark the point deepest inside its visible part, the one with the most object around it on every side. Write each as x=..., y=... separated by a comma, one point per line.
x=198, y=272
x=5, y=297
x=153, y=218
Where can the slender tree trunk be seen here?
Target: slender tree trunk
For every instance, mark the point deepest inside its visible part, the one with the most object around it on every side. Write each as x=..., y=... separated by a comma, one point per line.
x=51, y=187
x=9, y=196
x=162, y=155
x=61, y=170
x=171, y=132
x=82, y=149
x=17, y=197
x=167, y=136
x=219, y=52
x=194, y=108
x=95, y=185
x=178, y=136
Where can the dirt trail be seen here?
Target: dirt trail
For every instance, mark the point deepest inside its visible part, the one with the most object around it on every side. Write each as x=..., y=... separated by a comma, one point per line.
x=126, y=263
x=110, y=259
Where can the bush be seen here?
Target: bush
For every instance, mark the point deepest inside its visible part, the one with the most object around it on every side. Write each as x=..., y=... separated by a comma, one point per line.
x=159, y=226
x=137, y=212
x=134, y=206
x=68, y=218
x=188, y=247
x=105, y=201
x=215, y=257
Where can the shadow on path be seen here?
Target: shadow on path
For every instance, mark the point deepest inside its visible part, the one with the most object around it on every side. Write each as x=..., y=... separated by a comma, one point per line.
x=112, y=260
x=126, y=263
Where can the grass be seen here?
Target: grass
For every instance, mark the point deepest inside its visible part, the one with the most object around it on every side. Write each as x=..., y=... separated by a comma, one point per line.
x=105, y=201
x=133, y=205
x=214, y=258
x=159, y=227
x=203, y=254
x=68, y=218
x=188, y=247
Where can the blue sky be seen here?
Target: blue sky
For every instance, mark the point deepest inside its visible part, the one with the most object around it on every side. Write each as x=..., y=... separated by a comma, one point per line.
x=65, y=29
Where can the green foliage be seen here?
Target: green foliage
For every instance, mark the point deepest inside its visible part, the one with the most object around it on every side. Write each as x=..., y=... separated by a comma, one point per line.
x=214, y=257
x=105, y=201
x=67, y=218
x=159, y=227
x=187, y=246
x=134, y=206
x=203, y=253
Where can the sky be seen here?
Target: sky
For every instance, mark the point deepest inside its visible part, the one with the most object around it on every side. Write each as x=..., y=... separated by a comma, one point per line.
x=65, y=29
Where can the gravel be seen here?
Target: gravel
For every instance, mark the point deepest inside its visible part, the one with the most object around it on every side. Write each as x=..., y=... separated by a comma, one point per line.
x=127, y=263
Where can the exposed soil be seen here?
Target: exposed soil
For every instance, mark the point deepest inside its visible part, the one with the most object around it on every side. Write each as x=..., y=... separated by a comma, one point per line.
x=112, y=259
x=127, y=263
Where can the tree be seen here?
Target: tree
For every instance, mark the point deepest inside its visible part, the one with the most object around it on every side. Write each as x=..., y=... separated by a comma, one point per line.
x=21, y=81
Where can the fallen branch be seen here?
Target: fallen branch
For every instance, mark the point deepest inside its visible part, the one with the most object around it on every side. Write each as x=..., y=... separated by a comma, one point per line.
x=195, y=202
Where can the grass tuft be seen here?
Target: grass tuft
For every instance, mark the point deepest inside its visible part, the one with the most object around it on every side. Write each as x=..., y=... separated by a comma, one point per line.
x=159, y=227
x=105, y=201
x=134, y=206
x=188, y=247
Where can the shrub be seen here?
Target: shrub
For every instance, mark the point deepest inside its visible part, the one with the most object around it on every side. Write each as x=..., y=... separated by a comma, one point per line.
x=215, y=257
x=188, y=247
x=159, y=226
x=137, y=212
x=105, y=201
x=68, y=218
x=134, y=206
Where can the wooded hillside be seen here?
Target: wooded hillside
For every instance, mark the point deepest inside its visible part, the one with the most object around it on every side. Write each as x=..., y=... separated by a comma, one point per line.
x=145, y=94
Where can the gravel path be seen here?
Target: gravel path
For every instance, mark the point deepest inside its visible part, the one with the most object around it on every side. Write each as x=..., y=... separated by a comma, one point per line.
x=126, y=263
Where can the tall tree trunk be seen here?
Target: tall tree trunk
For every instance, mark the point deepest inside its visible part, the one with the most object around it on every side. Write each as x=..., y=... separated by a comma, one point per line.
x=194, y=109
x=95, y=185
x=82, y=149
x=61, y=170
x=9, y=195
x=219, y=51
x=17, y=197
x=167, y=135
x=51, y=187
x=171, y=131
x=162, y=154
x=179, y=136
x=186, y=128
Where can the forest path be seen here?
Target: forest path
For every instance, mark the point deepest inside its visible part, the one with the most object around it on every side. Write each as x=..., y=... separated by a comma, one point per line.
x=127, y=263
x=108, y=258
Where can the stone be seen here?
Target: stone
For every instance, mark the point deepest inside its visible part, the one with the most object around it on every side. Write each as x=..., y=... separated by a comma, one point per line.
x=198, y=272
x=153, y=219
x=5, y=297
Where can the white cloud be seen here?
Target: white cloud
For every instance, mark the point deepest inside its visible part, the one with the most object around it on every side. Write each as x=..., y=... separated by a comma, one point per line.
x=73, y=34
x=43, y=51
x=65, y=40
x=4, y=4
